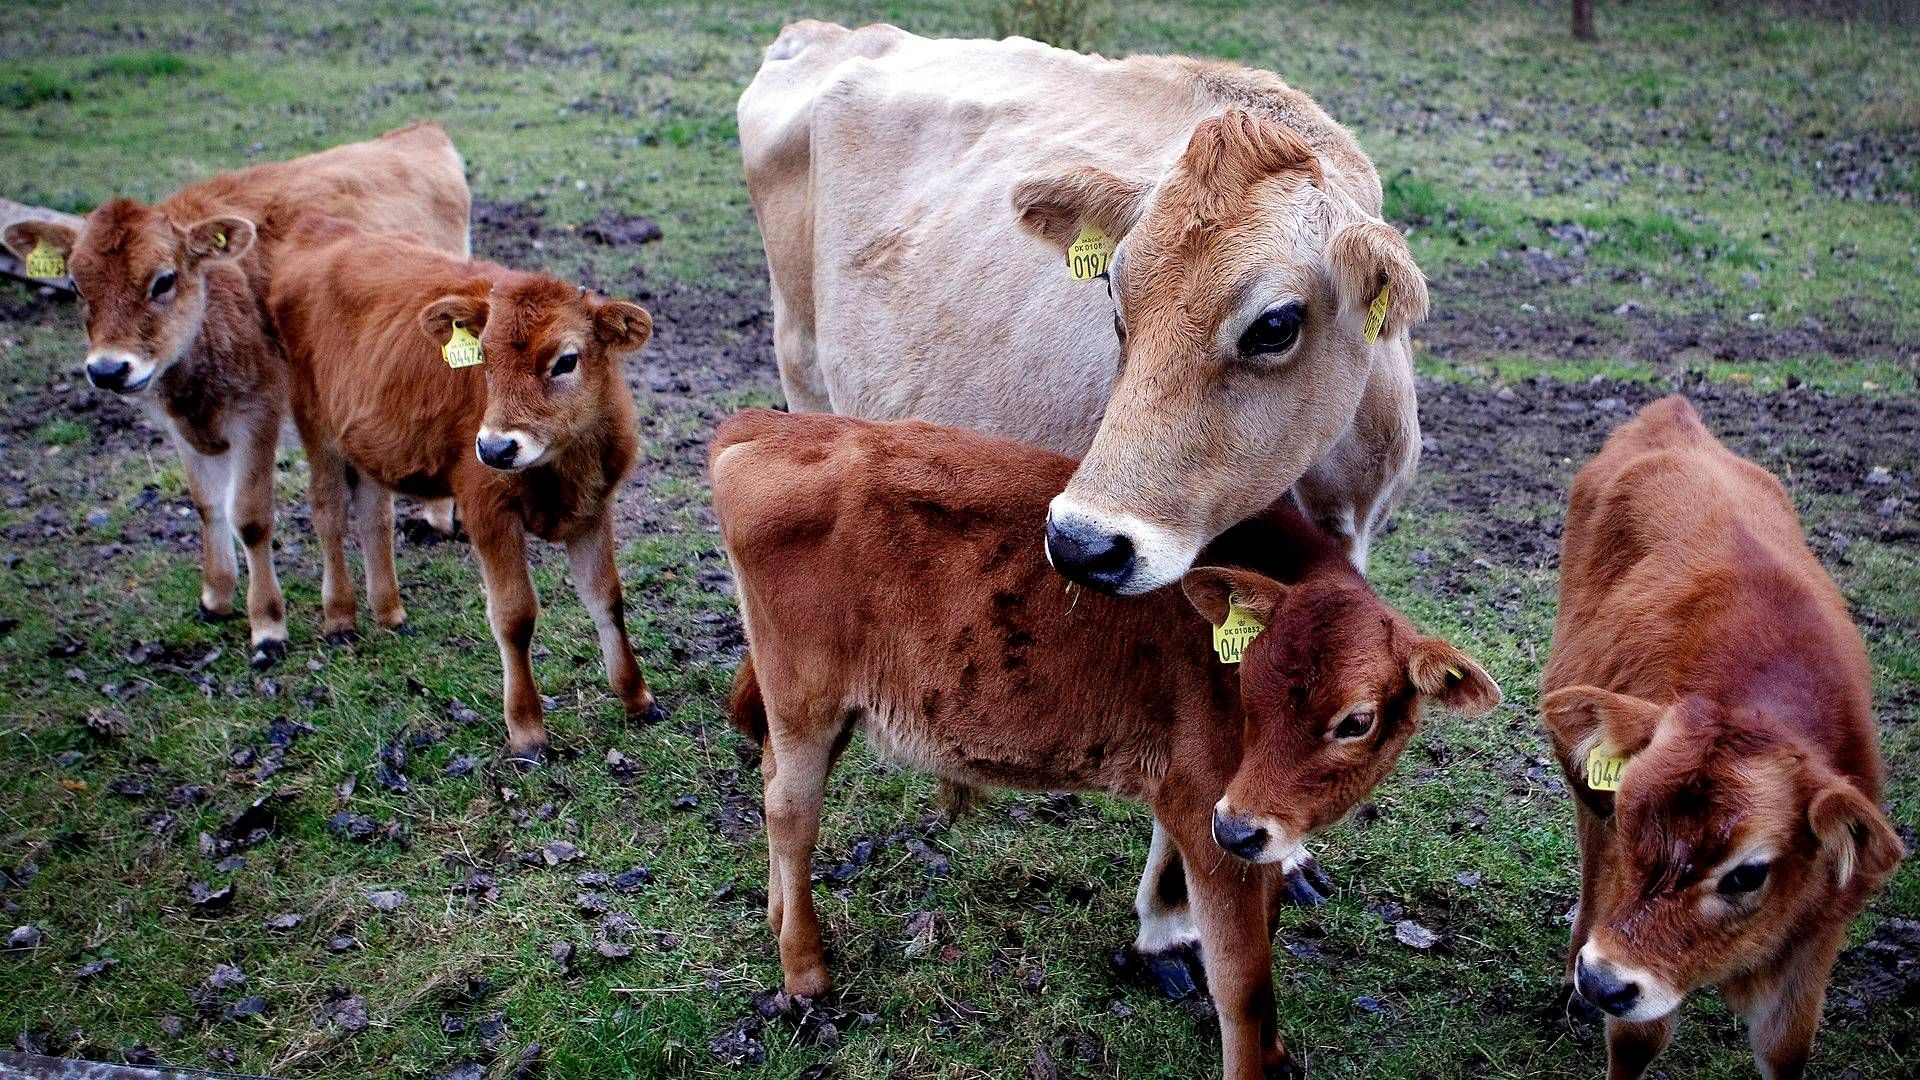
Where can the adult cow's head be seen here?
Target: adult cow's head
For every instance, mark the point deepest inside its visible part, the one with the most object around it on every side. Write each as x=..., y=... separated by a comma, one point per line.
x=1242, y=286
x=144, y=278
x=1729, y=839
x=552, y=362
x=1330, y=692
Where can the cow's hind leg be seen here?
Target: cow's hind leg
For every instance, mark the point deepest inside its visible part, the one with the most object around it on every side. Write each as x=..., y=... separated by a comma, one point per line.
x=372, y=511
x=795, y=770
x=596, y=578
x=1168, y=943
x=250, y=498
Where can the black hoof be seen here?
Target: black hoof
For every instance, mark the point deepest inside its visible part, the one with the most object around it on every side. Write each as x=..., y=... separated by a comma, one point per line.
x=206, y=614
x=654, y=714
x=1308, y=885
x=528, y=759
x=1177, y=971
x=268, y=653
x=1286, y=1069
x=405, y=629
x=342, y=637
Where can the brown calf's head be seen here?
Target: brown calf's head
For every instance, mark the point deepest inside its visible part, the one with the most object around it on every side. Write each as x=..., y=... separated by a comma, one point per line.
x=1331, y=691
x=144, y=278
x=1243, y=284
x=551, y=357
x=1727, y=837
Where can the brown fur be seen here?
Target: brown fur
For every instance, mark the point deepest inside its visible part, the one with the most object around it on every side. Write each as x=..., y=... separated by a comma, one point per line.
x=217, y=382
x=364, y=318
x=1698, y=635
x=890, y=581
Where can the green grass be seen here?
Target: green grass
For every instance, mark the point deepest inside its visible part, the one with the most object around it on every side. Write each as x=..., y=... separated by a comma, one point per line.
x=1684, y=149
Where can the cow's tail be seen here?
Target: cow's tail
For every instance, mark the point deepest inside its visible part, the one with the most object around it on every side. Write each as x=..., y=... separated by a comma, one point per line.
x=748, y=706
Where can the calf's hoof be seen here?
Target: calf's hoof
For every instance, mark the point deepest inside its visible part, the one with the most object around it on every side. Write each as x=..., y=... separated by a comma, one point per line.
x=811, y=983
x=1308, y=885
x=1284, y=1069
x=526, y=758
x=1177, y=971
x=267, y=653
x=652, y=714
x=338, y=638
x=205, y=614
x=404, y=629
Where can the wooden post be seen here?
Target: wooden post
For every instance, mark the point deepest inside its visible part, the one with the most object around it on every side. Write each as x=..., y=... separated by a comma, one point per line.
x=1583, y=21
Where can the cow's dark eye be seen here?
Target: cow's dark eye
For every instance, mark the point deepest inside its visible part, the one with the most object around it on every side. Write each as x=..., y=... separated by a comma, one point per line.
x=565, y=362
x=1744, y=878
x=1274, y=331
x=1355, y=724
x=162, y=284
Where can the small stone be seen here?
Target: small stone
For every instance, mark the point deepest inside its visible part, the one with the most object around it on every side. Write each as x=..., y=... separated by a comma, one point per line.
x=24, y=937
x=94, y=967
x=1468, y=879
x=1880, y=476
x=98, y=518
x=1368, y=1004
x=226, y=977
x=1414, y=936
x=386, y=899
x=633, y=880
x=254, y=1005
x=559, y=852
x=340, y=943
x=286, y=920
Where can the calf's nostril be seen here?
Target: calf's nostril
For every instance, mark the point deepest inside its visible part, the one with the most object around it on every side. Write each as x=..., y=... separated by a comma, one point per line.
x=1238, y=835
x=1605, y=990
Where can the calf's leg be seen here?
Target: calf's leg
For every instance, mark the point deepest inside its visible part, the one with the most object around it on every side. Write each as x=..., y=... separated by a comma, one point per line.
x=251, y=499
x=501, y=543
x=327, y=486
x=1631, y=1048
x=795, y=788
x=1168, y=942
x=1782, y=1003
x=209, y=477
x=372, y=509
x=596, y=578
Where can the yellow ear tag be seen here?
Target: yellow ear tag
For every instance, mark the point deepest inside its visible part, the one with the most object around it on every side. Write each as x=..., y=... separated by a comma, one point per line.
x=220, y=241
x=45, y=262
x=462, y=349
x=1604, y=769
x=1089, y=256
x=1231, y=638
x=1377, y=315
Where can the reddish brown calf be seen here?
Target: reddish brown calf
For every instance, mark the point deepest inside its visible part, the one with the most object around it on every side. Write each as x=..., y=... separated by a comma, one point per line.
x=536, y=439
x=1700, y=641
x=176, y=321
x=891, y=582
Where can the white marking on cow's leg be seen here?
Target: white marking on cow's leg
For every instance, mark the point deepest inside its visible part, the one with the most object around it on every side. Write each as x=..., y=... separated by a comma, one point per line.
x=372, y=513
x=1166, y=918
x=209, y=480
x=255, y=442
x=1160, y=555
x=596, y=579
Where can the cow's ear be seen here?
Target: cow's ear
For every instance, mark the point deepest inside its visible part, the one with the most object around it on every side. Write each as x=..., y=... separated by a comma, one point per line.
x=23, y=236
x=1215, y=590
x=623, y=326
x=438, y=318
x=219, y=238
x=1451, y=678
x=1854, y=832
x=1367, y=257
x=1586, y=717
x=1056, y=205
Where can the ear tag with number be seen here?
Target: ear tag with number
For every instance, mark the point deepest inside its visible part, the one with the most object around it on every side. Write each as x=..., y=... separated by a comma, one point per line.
x=1231, y=638
x=220, y=241
x=462, y=349
x=1377, y=315
x=45, y=262
x=1089, y=256
x=1604, y=769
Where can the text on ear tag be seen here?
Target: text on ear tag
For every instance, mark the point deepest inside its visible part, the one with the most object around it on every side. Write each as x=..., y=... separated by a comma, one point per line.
x=1231, y=638
x=462, y=349
x=1377, y=315
x=1089, y=256
x=45, y=262
x=1604, y=769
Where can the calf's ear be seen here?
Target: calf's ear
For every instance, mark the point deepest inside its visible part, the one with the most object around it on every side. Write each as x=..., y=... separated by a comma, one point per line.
x=1854, y=831
x=1055, y=205
x=1451, y=678
x=23, y=236
x=437, y=318
x=1584, y=717
x=1368, y=256
x=623, y=326
x=1214, y=590
x=219, y=238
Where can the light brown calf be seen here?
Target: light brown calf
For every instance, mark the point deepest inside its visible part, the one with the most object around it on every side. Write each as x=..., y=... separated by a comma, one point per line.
x=177, y=322
x=891, y=583
x=536, y=439
x=1702, y=643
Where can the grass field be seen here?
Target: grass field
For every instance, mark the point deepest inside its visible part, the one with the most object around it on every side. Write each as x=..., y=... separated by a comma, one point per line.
x=1720, y=199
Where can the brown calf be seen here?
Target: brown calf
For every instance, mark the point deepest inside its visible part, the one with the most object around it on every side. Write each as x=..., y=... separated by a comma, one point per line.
x=536, y=439
x=177, y=322
x=890, y=582
x=1701, y=642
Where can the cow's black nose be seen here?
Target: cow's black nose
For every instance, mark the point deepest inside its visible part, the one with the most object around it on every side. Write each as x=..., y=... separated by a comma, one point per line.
x=1238, y=835
x=497, y=450
x=1605, y=990
x=1091, y=557
x=108, y=373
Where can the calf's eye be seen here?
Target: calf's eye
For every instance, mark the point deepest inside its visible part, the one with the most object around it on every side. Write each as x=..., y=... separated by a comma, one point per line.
x=1744, y=878
x=1274, y=331
x=162, y=284
x=565, y=362
x=1355, y=724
